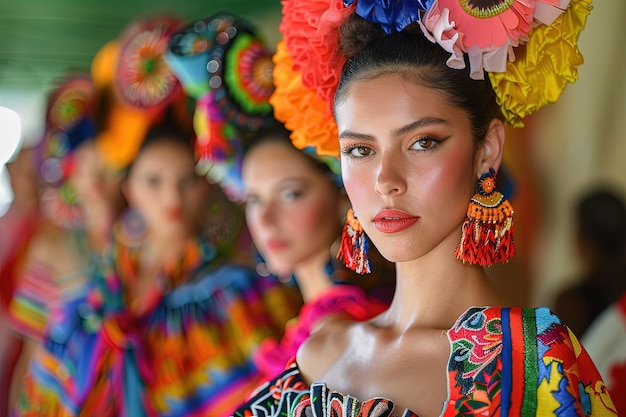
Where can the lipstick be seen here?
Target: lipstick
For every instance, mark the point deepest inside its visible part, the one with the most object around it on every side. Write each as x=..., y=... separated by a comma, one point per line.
x=393, y=221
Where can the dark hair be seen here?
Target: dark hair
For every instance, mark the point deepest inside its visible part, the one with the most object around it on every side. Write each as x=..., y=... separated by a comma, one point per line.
x=277, y=133
x=372, y=53
x=601, y=218
x=163, y=133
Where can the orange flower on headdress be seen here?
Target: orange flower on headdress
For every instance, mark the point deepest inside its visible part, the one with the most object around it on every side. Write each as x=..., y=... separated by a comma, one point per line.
x=311, y=32
x=539, y=76
x=301, y=109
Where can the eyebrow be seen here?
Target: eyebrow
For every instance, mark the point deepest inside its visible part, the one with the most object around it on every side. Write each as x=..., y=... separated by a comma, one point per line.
x=426, y=121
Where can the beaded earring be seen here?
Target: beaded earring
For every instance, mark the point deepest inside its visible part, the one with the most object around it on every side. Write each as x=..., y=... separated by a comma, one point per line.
x=488, y=230
x=354, y=246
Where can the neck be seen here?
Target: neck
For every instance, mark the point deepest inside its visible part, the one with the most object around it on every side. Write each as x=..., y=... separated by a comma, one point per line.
x=434, y=290
x=98, y=224
x=312, y=277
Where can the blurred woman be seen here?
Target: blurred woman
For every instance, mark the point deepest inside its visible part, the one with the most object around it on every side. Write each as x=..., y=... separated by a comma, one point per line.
x=295, y=203
x=295, y=210
x=79, y=202
x=167, y=328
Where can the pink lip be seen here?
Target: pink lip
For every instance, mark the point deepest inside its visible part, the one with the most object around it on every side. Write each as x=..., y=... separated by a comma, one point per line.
x=174, y=214
x=393, y=221
x=275, y=244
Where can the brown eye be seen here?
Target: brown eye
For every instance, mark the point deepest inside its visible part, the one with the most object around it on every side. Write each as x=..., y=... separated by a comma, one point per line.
x=361, y=151
x=424, y=144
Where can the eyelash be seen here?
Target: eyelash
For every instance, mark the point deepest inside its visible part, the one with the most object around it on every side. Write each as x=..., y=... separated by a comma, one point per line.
x=347, y=151
x=434, y=143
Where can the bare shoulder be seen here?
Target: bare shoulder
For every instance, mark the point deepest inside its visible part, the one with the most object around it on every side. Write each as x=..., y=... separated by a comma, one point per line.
x=324, y=347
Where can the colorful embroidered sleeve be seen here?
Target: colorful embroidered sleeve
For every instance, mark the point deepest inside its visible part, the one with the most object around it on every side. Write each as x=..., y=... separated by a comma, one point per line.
x=521, y=362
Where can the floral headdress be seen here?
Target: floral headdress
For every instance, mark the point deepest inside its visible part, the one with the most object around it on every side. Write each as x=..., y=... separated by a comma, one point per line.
x=70, y=122
x=137, y=86
x=226, y=68
x=527, y=47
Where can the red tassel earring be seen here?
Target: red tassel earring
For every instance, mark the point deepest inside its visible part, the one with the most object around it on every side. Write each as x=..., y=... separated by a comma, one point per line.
x=488, y=230
x=354, y=245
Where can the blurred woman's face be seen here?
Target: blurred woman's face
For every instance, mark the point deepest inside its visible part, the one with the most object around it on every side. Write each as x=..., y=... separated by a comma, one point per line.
x=292, y=207
x=164, y=189
x=93, y=182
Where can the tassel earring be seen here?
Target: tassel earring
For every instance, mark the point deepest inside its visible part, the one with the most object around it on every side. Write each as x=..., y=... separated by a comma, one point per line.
x=354, y=245
x=488, y=230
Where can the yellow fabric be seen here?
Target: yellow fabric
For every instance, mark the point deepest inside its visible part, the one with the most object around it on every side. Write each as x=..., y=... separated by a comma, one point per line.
x=539, y=76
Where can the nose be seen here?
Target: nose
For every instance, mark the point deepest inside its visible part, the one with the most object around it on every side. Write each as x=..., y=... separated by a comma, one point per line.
x=390, y=176
x=266, y=214
x=174, y=196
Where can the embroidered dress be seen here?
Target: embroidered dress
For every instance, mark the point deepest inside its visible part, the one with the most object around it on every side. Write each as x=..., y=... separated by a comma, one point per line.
x=605, y=340
x=187, y=355
x=503, y=362
x=38, y=292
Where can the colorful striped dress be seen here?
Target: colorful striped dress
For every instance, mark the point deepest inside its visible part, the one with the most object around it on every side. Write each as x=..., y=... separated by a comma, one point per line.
x=503, y=362
x=189, y=355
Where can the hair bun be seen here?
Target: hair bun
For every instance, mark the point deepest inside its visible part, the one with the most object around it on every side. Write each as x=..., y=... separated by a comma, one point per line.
x=356, y=33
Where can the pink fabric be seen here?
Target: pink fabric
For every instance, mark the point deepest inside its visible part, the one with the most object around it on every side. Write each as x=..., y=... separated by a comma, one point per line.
x=347, y=300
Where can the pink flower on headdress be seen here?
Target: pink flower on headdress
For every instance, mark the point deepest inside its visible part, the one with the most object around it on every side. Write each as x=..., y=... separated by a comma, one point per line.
x=489, y=34
x=493, y=23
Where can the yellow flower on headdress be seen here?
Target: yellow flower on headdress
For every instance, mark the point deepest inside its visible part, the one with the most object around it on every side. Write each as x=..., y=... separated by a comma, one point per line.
x=302, y=111
x=539, y=75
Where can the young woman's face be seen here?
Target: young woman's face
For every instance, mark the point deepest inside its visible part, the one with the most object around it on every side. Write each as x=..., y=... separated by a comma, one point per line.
x=407, y=165
x=93, y=182
x=292, y=208
x=163, y=187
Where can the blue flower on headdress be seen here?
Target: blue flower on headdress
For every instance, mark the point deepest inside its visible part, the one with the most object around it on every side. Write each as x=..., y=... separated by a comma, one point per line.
x=391, y=15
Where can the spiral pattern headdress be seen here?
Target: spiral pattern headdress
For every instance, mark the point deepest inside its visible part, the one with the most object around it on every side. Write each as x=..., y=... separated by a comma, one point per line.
x=226, y=68
x=137, y=85
x=528, y=48
x=70, y=121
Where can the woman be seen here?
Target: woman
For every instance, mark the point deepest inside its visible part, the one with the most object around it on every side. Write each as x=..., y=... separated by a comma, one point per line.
x=417, y=138
x=78, y=204
x=169, y=327
x=294, y=208
x=294, y=211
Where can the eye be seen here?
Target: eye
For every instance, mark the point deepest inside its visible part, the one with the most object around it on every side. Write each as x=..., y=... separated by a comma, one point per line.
x=188, y=181
x=290, y=195
x=424, y=144
x=252, y=200
x=153, y=182
x=358, y=151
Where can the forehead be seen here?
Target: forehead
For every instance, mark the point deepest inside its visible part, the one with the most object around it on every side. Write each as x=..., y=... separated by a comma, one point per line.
x=276, y=158
x=392, y=100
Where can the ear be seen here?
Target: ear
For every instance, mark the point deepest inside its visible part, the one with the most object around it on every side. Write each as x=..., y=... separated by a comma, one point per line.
x=126, y=192
x=489, y=154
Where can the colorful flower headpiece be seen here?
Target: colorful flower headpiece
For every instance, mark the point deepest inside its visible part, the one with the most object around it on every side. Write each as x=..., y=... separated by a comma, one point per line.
x=70, y=122
x=527, y=47
x=226, y=68
x=137, y=84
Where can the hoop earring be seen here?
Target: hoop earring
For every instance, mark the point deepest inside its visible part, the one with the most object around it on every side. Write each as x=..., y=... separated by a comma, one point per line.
x=488, y=230
x=132, y=228
x=354, y=246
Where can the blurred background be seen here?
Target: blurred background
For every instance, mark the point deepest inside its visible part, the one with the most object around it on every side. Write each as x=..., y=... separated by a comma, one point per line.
x=564, y=151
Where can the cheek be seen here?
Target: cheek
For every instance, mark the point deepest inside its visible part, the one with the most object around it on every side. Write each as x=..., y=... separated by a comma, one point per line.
x=359, y=190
